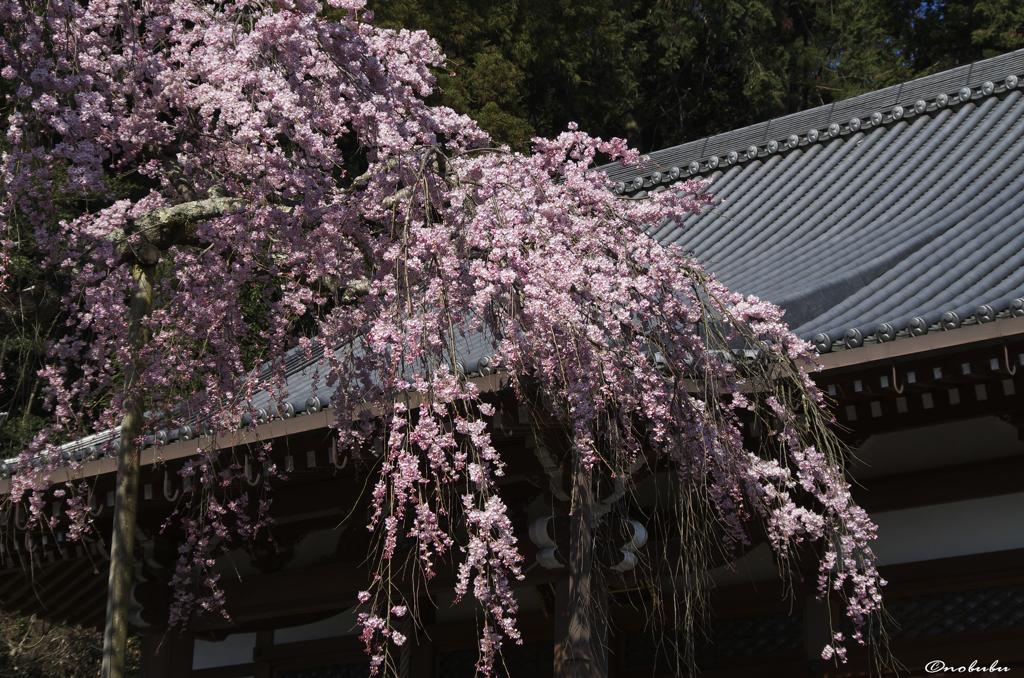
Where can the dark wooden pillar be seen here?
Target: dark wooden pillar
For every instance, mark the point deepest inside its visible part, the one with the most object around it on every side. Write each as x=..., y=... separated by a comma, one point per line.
x=167, y=655
x=562, y=611
x=261, y=653
x=581, y=637
x=599, y=640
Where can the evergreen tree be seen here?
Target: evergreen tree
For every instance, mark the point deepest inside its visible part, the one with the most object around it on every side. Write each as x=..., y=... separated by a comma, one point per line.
x=523, y=68
x=663, y=72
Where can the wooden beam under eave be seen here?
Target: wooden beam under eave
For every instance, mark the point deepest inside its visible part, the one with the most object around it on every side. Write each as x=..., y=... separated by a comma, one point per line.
x=975, y=480
x=16, y=577
x=887, y=417
x=34, y=584
x=90, y=611
x=443, y=636
x=320, y=652
x=778, y=665
x=260, y=601
x=167, y=654
x=320, y=588
x=935, y=343
x=957, y=573
x=234, y=671
x=1006, y=648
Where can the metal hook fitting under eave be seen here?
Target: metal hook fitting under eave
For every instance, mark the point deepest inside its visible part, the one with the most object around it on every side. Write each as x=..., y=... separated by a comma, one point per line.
x=539, y=535
x=18, y=524
x=104, y=553
x=333, y=455
x=895, y=381
x=248, y=473
x=629, y=549
x=167, y=485
x=1012, y=369
x=628, y=562
x=90, y=501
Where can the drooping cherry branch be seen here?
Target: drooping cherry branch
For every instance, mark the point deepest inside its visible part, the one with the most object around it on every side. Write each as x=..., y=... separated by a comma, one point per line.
x=631, y=346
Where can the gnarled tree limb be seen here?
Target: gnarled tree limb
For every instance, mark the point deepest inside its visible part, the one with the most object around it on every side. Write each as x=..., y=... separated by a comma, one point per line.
x=160, y=229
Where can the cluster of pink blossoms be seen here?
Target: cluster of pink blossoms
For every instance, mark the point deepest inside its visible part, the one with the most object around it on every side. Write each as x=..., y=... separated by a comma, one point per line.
x=442, y=234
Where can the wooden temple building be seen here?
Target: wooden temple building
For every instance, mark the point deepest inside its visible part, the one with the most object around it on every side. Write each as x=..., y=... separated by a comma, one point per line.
x=891, y=229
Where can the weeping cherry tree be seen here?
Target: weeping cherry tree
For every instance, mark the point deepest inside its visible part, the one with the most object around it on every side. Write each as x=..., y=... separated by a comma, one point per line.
x=292, y=165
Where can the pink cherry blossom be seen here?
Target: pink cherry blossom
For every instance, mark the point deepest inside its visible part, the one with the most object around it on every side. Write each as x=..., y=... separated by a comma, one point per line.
x=262, y=107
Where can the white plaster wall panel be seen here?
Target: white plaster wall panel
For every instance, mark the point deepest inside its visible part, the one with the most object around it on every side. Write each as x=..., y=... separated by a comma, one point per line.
x=910, y=535
x=946, y=530
x=343, y=624
x=757, y=565
x=941, y=444
x=235, y=649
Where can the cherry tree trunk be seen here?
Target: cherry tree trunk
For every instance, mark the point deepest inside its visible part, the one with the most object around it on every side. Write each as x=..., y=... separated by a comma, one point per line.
x=115, y=632
x=580, y=624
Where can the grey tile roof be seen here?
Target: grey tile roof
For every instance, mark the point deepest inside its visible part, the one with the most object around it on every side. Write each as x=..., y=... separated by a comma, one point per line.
x=888, y=215
x=306, y=377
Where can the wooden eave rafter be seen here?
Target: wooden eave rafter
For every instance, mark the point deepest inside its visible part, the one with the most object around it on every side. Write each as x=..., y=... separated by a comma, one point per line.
x=925, y=346
x=959, y=381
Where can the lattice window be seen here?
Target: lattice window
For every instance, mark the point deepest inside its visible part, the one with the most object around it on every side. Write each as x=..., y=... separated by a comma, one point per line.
x=756, y=634
x=529, y=660
x=945, y=614
x=352, y=670
x=725, y=638
x=649, y=648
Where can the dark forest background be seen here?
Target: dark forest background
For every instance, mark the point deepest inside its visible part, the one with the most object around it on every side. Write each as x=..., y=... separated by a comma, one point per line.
x=658, y=72
x=663, y=72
